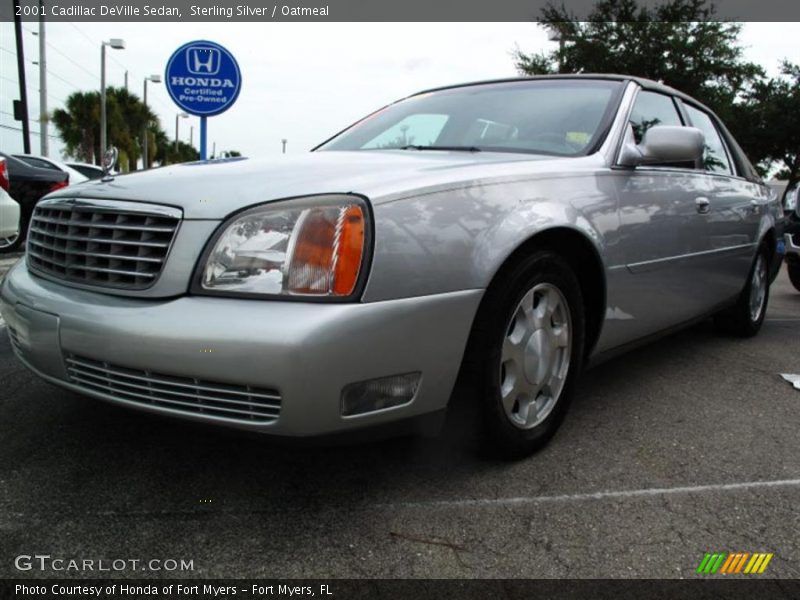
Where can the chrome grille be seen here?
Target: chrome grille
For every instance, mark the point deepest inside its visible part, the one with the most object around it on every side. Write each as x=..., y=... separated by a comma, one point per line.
x=101, y=243
x=184, y=394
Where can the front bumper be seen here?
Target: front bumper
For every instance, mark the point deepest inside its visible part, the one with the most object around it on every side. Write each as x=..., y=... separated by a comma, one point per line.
x=306, y=352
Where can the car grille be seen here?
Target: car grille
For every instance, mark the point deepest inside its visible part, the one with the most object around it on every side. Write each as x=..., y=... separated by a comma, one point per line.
x=101, y=243
x=183, y=394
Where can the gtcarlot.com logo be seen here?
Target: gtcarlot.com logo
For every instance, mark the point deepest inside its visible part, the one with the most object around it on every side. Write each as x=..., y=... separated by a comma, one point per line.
x=729, y=563
x=46, y=562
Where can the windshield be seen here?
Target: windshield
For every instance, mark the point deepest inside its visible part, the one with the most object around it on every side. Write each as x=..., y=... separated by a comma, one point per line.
x=564, y=117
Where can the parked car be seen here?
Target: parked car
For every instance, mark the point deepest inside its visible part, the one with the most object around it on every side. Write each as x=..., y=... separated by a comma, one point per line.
x=9, y=210
x=45, y=162
x=27, y=186
x=87, y=170
x=508, y=231
x=792, y=235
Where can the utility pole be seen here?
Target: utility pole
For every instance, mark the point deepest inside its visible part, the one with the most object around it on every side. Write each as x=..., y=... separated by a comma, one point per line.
x=21, y=106
x=126, y=80
x=44, y=138
x=283, y=141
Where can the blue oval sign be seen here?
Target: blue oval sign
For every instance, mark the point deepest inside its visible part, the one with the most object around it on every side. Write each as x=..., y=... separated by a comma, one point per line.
x=203, y=78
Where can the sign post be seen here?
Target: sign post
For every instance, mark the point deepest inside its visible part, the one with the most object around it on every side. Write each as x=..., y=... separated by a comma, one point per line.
x=204, y=80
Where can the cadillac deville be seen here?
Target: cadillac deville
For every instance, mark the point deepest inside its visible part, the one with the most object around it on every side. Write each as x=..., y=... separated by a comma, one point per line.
x=507, y=233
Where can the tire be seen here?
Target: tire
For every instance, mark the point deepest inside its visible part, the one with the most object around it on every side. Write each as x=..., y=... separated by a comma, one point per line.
x=516, y=354
x=794, y=274
x=14, y=245
x=744, y=319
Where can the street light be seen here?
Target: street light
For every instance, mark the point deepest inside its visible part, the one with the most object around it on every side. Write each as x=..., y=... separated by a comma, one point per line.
x=117, y=44
x=180, y=115
x=145, y=137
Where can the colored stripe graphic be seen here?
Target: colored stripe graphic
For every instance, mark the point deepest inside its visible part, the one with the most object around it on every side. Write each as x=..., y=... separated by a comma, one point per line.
x=735, y=562
x=711, y=562
x=764, y=564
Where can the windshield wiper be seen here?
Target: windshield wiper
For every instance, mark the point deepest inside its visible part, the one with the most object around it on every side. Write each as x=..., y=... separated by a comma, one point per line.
x=444, y=148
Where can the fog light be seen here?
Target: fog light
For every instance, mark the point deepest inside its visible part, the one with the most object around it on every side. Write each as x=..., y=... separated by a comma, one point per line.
x=377, y=394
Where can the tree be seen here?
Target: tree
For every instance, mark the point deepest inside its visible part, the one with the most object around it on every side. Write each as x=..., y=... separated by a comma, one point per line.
x=773, y=110
x=683, y=44
x=678, y=42
x=184, y=153
x=78, y=125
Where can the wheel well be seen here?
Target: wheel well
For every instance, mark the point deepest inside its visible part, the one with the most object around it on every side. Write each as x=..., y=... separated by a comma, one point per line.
x=580, y=253
x=768, y=240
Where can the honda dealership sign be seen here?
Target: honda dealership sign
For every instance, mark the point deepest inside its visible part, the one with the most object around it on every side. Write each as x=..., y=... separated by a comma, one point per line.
x=203, y=79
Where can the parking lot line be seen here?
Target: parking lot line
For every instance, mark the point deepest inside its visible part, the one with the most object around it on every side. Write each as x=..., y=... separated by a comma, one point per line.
x=647, y=492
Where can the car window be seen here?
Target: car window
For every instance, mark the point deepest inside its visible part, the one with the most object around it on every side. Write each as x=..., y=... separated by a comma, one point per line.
x=38, y=162
x=559, y=117
x=418, y=130
x=715, y=157
x=650, y=109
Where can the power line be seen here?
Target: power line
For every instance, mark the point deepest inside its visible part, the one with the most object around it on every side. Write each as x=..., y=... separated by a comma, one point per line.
x=49, y=72
x=113, y=58
x=69, y=58
x=33, y=132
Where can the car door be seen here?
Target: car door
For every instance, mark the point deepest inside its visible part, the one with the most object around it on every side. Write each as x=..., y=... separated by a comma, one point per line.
x=735, y=206
x=663, y=240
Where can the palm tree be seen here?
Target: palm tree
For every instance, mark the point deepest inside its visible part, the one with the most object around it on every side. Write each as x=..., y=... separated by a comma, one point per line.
x=79, y=126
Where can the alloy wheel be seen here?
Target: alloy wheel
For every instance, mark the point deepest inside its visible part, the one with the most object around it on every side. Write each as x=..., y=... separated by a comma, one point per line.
x=535, y=356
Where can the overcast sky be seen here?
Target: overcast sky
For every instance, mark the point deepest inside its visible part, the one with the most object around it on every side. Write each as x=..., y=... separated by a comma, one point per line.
x=301, y=81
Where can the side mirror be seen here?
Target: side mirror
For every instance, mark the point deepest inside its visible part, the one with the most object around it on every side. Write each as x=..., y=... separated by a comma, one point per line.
x=664, y=144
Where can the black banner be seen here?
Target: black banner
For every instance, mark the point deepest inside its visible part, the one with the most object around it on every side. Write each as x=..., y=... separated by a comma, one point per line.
x=347, y=10
x=432, y=589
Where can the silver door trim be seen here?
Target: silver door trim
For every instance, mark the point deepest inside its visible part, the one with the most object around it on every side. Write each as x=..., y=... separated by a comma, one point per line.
x=651, y=265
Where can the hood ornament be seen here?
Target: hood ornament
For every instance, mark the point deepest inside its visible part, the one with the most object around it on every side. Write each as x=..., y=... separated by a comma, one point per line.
x=109, y=162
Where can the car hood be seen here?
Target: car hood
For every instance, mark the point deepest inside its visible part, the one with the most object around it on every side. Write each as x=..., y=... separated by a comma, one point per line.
x=214, y=189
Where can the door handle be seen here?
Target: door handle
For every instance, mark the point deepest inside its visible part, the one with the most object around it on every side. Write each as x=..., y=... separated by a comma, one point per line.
x=703, y=205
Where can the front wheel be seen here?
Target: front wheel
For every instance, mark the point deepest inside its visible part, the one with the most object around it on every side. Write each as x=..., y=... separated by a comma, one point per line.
x=527, y=348
x=746, y=316
x=794, y=274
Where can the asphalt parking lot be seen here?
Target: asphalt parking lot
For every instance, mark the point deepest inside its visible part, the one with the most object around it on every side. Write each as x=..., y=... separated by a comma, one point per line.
x=686, y=446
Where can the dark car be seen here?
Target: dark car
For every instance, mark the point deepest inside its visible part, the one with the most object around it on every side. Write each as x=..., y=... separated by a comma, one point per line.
x=792, y=234
x=27, y=185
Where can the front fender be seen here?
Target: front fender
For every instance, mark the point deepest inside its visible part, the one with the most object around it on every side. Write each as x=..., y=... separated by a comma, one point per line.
x=458, y=239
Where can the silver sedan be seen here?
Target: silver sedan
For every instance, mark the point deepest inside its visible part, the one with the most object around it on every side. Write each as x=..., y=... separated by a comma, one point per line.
x=502, y=234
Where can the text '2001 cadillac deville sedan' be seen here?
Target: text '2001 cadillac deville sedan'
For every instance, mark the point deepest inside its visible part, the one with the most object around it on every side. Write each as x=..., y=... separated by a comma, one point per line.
x=519, y=228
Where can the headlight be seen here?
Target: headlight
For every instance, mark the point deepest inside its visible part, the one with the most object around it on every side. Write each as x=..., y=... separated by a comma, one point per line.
x=310, y=247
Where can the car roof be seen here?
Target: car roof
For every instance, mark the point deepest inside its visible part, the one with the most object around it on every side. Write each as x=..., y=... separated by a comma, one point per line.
x=647, y=84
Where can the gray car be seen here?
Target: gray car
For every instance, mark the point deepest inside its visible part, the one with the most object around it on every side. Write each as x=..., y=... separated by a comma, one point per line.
x=504, y=234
